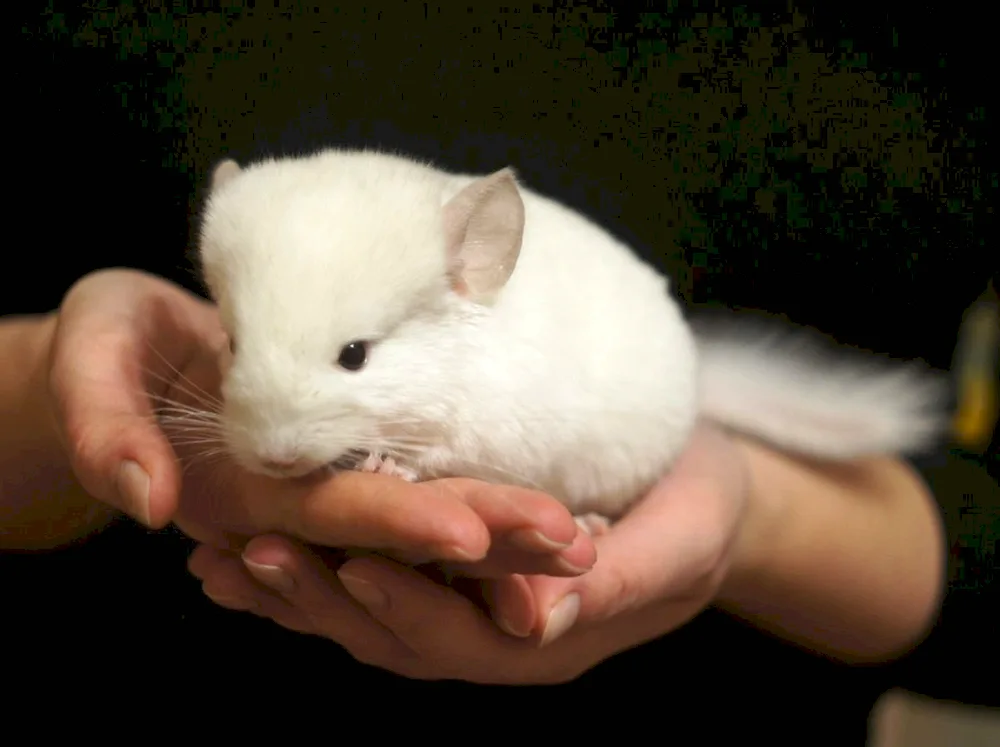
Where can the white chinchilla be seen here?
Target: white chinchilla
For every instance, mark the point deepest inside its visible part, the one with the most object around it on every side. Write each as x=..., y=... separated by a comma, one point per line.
x=390, y=316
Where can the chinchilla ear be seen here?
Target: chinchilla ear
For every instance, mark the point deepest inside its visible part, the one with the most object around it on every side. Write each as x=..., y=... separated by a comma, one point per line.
x=484, y=227
x=224, y=171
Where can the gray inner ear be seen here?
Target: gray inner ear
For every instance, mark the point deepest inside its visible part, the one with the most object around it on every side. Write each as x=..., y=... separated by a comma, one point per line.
x=224, y=171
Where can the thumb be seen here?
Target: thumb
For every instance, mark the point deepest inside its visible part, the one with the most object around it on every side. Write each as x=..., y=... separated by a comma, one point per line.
x=666, y=548
x=109, y=430
x=669, y=547
x=102, y=373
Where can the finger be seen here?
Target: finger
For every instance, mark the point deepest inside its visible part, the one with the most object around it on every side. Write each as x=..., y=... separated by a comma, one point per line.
x=313, y=590
x=504, y=560
x=511, y=603
x=224, y=580
x=202, y=559
x=228, y=583
x=351, y=509
x=528, y=520
x=533, y=533
x=443, y=628
x=102, y=368
x=347, y=509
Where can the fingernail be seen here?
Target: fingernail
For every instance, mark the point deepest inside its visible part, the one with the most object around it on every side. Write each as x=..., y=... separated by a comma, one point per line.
x=561, y=618
x=533, y=540
x=271, y=575
x=454, y=552
x=364, y=591
x=511, y=629
x=237, y=603
x=133, y=486
x=570, y=568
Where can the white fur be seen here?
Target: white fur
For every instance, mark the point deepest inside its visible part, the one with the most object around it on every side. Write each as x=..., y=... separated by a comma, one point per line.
x=581, y=380
x=798, y=392
x=559, y=385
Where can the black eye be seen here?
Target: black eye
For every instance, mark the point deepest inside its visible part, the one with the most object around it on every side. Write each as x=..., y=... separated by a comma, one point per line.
x=354, y=355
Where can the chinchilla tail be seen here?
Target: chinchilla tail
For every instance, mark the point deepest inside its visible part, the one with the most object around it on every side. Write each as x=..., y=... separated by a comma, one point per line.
x=797, y=391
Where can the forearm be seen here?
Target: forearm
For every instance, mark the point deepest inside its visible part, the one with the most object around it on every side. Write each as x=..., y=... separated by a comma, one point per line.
x=847, y=560
x=41, y=504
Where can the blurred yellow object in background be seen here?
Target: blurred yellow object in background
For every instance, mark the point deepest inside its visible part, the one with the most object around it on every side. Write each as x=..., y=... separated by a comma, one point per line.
x=975, y=365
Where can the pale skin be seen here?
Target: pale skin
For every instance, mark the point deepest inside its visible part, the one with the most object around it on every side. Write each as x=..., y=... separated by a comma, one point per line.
x=846, y=560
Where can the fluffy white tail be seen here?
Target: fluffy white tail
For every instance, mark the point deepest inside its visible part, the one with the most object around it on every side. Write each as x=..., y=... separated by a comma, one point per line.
x=797, y=391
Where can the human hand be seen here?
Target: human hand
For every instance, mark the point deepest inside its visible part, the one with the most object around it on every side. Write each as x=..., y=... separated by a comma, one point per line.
x=132, y=353
x=120, y=338
x=660, y=565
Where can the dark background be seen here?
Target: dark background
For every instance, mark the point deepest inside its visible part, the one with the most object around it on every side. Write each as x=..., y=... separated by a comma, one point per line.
x=836, y=165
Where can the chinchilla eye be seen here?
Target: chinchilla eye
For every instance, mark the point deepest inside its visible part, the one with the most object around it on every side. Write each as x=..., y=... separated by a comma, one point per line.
x=354, y=355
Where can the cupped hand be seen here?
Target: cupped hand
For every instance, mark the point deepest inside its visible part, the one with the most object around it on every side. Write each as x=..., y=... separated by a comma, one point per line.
x=134, y=381
x=658, y=567
x=120, y=338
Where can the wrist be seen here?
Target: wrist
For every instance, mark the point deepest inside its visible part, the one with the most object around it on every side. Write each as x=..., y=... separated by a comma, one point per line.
x=38, y=427
x=41, y=503
x=823, y=551
x=752, y=549
x=24, y=399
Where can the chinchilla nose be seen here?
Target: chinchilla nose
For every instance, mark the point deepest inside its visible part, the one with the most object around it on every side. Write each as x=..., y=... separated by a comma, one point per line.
x=291, y=468
x=285, y=462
